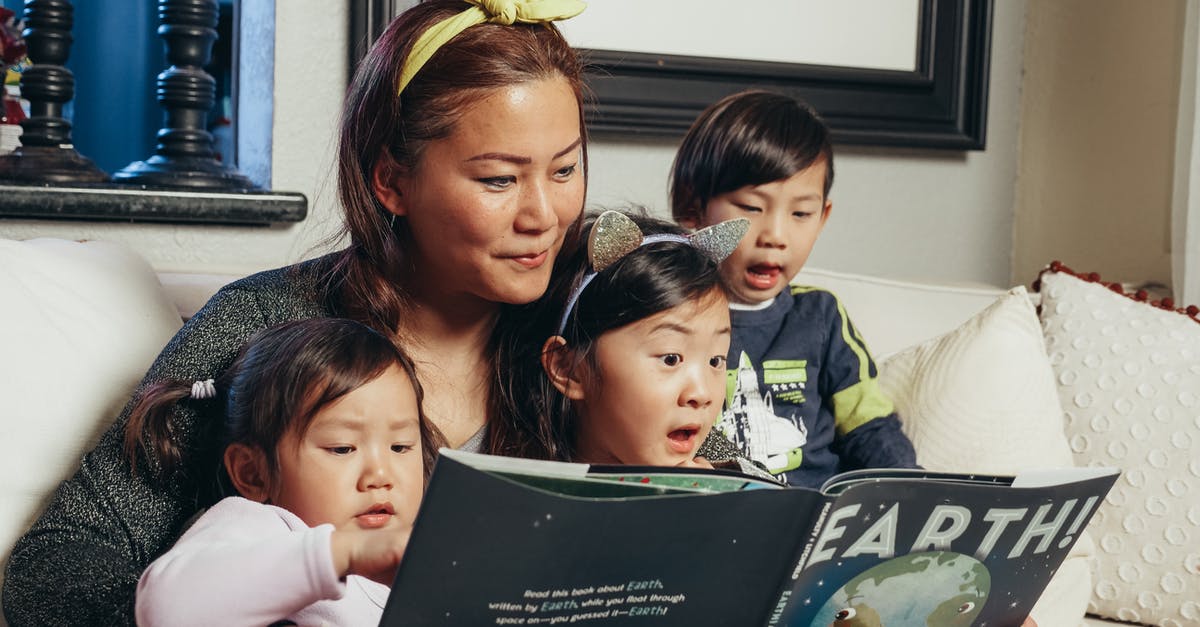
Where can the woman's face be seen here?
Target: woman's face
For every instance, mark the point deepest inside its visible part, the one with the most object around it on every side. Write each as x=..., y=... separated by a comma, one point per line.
x=488, y=206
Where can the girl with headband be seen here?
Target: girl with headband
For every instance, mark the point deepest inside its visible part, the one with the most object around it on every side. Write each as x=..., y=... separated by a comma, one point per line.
x=329, y=477
x=461, y=172
x=633, y=370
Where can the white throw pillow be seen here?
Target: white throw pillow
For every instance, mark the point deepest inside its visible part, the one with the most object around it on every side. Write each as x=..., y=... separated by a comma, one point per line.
x=982, y=398
x=79, y=325
x=1129, y=380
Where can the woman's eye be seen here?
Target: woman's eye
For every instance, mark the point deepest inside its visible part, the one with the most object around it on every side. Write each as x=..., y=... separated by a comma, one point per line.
x=567, y=172
x=717, y=361
x=671, y=359
x=499, y=182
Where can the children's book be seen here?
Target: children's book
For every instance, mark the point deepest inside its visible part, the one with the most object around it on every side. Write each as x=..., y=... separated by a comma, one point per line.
x=502, y=541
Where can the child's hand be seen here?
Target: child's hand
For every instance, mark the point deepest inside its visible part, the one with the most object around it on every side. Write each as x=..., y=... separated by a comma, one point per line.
x=695, y=462
x=371, y=553
x=1029, y=622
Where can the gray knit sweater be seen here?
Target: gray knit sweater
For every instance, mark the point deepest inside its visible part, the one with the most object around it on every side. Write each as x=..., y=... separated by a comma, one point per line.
x=80, y=563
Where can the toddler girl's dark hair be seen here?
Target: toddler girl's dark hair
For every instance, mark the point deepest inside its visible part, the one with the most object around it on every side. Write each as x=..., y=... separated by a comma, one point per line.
x=748, y=138
x=651, y=279
x=281, y=378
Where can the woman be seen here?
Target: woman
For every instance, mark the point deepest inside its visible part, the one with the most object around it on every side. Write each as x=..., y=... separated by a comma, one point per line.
x=461, y=172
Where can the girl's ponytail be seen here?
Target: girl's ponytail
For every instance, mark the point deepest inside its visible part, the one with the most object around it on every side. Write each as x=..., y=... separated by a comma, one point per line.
x=150, y=427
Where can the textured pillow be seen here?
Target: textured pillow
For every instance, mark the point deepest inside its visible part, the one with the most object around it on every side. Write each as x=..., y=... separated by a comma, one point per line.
x=79, y=325
x=1129, y=381
x=982, y=398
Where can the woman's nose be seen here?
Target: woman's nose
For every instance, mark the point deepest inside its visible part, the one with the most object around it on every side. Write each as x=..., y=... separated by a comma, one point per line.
x=536, y=213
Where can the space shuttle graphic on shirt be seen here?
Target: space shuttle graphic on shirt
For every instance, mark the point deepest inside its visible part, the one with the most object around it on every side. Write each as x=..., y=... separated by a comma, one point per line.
x=750, y=422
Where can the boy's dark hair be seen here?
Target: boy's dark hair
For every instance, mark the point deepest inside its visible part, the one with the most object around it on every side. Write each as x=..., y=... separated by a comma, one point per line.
x=748, y=138
x=649, y=280
x=281, y=378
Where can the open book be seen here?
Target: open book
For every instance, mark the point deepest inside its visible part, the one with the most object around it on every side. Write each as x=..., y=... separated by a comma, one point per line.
x=501, y=541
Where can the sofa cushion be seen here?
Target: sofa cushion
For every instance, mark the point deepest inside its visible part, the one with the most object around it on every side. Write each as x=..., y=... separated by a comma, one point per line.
x=892, y=314
x=1129, y=382
x=79, y=325
x=982, y=398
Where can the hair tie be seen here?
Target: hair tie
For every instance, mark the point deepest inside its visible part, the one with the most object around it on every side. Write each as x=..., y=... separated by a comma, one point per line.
x=614, y=235
x=504, y=12
x=204, y=389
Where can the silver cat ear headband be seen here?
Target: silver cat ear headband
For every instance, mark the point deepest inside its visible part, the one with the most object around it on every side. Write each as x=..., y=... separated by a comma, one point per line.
x=614, y=235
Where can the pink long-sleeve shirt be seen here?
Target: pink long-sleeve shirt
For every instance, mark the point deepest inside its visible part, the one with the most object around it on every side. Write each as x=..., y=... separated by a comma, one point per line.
x=245, y=563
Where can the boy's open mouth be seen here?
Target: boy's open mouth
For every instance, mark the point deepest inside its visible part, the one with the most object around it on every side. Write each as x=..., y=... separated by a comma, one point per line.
x=763, y=276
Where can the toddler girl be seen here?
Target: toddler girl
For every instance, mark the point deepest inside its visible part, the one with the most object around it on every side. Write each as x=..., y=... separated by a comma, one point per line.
x=326, y=443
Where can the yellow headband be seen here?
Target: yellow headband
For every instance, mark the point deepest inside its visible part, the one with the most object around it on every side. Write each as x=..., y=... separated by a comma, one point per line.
x=503, y=12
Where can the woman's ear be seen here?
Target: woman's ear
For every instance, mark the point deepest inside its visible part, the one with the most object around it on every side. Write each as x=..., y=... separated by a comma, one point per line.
x=387, y=181
x=557, y=361
x=247, y=468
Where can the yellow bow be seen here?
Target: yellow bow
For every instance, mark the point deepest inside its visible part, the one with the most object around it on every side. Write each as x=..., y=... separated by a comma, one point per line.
x=504, y=12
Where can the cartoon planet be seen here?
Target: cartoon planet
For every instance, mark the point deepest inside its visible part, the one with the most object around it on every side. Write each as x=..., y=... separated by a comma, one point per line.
x=935, y=589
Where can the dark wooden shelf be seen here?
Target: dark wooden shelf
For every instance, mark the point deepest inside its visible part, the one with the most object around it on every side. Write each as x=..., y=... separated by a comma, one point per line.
x=143, y=204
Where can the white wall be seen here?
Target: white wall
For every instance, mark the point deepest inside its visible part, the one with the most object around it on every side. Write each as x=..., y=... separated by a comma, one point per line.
x=928, y=214
x=897, y=213
x=1185, y=211
x=1098, y=137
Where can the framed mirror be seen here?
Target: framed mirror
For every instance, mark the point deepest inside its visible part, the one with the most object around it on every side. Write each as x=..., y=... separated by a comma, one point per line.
x=937, y=101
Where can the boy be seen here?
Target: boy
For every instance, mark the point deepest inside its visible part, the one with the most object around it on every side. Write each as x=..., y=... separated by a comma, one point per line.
x=802, y=396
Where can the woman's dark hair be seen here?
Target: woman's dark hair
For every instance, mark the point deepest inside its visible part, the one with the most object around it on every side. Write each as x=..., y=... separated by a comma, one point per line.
x=748, y=138
x=281, y=378
x=649, y=280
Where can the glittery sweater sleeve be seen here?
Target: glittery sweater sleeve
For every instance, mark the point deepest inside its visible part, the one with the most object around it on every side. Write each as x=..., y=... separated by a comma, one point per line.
x=79, y=563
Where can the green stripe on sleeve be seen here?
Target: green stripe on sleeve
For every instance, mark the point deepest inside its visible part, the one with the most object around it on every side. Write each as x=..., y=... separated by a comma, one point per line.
x=856, y=344
x=860, y=404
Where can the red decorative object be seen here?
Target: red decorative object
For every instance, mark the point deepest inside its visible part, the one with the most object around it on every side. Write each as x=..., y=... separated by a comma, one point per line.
x=12, y=47
x=1168, y=303
x=12, y=52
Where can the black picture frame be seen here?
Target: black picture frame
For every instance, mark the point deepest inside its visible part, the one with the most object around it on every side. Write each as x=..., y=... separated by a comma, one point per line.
x=940, y=104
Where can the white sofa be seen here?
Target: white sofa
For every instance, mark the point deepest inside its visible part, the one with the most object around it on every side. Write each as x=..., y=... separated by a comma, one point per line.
x=80, y=322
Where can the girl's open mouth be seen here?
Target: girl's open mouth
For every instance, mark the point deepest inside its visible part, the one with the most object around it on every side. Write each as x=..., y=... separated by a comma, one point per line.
x=683, y=440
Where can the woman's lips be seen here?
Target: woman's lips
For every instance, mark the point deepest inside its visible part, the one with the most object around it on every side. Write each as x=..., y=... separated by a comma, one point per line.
x=531, y=260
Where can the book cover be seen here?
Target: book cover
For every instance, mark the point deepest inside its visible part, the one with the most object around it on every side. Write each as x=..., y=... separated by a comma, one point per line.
x=500, y=541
